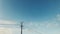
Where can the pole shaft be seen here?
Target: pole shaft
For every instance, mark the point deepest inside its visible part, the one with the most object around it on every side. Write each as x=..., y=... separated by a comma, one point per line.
x=21, y=28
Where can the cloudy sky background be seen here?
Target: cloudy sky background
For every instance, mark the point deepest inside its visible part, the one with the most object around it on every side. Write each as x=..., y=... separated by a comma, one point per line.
x=39, y=16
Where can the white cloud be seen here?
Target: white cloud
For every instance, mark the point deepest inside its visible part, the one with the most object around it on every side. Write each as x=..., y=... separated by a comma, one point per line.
x=5, y=30
x=7, y=22
x=31, y=31
x=47, y=27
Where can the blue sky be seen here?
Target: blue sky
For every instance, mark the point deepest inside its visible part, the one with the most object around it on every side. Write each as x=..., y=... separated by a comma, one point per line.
x=30, y=10
x=39, y=16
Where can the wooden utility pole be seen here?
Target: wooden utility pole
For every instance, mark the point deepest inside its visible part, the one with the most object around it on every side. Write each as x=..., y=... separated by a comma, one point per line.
x=21, y=26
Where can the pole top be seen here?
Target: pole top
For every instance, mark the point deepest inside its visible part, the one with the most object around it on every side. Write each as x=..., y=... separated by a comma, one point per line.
x=22, y=24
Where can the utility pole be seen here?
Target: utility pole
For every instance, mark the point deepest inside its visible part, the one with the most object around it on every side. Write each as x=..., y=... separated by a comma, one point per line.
x=21, y=26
